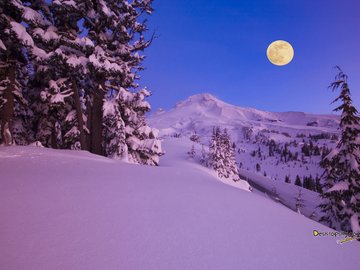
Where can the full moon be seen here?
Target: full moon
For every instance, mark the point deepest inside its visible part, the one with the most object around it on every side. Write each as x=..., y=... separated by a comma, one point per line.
x=280, y=53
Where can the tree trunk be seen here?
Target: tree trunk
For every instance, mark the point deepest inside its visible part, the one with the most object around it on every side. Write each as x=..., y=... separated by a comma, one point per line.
x=88, y=123
x=97, y=120
x=7, y=111
x=79, y=116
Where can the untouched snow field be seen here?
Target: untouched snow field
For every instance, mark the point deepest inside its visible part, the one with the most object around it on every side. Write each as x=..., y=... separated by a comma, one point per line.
x=74, y=210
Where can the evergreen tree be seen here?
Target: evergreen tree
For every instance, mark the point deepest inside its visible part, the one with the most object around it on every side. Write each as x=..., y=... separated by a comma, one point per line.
x=203, y=158
x=215, y=155
x=341, y=196
x=142, y=141
x=195, y=137
x=192, y=152
x=16, y=46
x=318, y=184
x=299, y=201
x=231, y=161
x=117, y=34
x=65, y=65
x=298, y=181
x=114, y=132
x=222, y=155
x=287, y=179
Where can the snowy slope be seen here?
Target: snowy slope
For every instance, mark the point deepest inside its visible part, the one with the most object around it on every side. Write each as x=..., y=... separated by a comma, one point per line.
x=252, y=129
x=75, y=210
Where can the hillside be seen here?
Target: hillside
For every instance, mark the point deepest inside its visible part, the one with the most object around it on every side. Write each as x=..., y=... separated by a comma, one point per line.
x=73, y=210
x=283, y=144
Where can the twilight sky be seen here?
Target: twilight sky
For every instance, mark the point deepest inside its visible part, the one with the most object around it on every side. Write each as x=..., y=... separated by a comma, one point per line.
x=219, y=47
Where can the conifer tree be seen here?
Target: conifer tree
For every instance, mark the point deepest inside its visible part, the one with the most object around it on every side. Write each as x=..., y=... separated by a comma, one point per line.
x=203, y=158
x=16, y=46
x=66, y=65
x=114, y=132
x=299, y=201
x=287, y=179
x=222, y=155
x=298, y=181
x=258, y=167
x=215, y=155
x=192, y=152
x=341, y=196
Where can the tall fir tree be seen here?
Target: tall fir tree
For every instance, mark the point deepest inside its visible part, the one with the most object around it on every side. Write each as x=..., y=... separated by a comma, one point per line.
x=341, y=196
x=19, y=20
x=66, y=65
x=14, y=40
x=215, y=155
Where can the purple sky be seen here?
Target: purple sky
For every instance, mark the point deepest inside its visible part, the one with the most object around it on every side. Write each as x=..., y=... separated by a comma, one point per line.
x=220, y=47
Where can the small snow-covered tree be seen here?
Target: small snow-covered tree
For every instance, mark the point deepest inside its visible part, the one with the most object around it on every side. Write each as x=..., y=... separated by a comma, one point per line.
x=341, y=196
x=215, y=155
x=222, y=155
x=191, y=153
x=203, y=157
x=275, y=194
x=195, y=137
x=287, y=179
x=299, y=201
x=298, y=181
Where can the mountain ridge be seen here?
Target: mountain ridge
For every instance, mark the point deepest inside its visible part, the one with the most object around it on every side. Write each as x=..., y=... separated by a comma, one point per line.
x=206, y=107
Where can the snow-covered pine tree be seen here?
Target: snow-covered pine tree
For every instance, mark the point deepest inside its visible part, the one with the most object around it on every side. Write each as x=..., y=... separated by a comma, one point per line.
x=66, y=67
x=299, y=201
x=298, y=181
x=195, y=137
x=341, y=196
x=142, y=141
x=232, y=164
x=203, y=157
x=191, y=153
x=114, y=131
x=215, y=154
x=13, y=40
x=222, y=155
x=17, y=47
x=115, y=30
x=287, y=179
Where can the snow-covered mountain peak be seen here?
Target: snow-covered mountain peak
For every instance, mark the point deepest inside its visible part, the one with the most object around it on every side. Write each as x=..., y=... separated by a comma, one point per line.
x=201, y=112
x=203, y=99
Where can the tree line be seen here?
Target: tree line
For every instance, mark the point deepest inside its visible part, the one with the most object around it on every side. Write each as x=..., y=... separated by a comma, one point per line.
x=69, y=74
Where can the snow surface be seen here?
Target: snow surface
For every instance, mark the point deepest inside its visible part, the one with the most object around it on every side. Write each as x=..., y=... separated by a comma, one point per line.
x=63, y=209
